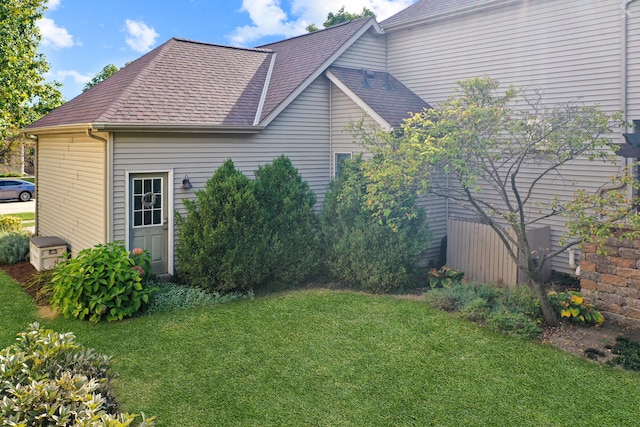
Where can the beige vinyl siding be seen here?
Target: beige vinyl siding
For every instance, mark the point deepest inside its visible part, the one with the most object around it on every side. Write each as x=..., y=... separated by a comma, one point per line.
x=368, y=52
x=570, y=49
x=71, y=189
x=301, y=132
x=633, y=62
x=345, y=113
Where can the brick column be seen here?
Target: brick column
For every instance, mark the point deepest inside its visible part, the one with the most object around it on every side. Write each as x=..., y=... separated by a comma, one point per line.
x=610, y=278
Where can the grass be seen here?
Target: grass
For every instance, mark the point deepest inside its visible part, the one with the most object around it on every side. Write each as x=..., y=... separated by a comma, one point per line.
x=338, y=358
x=25, y=216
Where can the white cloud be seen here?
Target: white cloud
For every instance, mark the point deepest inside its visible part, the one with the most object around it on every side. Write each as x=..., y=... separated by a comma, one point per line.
x=53, y=4
x=141, y=37
x=269, y=19
x=55, y=36
x=76, y=76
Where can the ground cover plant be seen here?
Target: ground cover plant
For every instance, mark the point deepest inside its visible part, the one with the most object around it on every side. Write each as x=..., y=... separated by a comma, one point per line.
x=321, y=357
x=14, y=247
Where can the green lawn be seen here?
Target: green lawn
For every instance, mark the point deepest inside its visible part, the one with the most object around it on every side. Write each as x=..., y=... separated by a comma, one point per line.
x=332, y=358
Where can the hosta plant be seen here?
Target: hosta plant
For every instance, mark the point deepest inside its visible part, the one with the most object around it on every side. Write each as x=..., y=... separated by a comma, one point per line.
x=573, y=306
x=444, y=277
x=101, y=282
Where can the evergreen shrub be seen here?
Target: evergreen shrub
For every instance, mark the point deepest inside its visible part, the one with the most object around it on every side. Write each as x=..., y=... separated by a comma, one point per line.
x=291, y=223
x=240, y=234
x=221, y=243
x=365, y=251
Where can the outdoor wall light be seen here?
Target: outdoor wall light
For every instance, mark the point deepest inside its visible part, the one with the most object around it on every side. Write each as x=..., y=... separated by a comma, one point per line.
x=186, y=184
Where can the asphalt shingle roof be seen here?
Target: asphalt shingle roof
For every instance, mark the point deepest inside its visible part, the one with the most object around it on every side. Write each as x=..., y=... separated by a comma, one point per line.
x=299, y=57
x=180, y=82
x=386, y=95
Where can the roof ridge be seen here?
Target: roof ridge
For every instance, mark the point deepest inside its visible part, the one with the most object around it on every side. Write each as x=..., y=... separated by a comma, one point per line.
x=249, y=49
x=158, y=52
x=319, y=31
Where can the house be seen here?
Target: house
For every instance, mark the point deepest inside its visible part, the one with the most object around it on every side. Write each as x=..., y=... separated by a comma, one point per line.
x=111, y=163
x=116, y=162
x=575, y=50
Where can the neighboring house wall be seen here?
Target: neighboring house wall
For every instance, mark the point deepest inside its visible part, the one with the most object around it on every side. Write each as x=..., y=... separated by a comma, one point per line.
x=633, y=62
x=570, y=49
x=368, y=52
x=71, y=189
x=301, y=132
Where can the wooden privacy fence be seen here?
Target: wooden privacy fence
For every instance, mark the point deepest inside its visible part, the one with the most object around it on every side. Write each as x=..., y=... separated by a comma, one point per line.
x=473, y=247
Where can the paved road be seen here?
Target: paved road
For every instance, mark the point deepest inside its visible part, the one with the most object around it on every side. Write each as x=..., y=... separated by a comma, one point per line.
x=10, y=207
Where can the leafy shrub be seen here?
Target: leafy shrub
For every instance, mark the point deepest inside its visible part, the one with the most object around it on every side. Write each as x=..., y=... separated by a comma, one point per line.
x=572, y=305
x=290, y=222
x=101, y=282
x=172, y=296
x=10, y=223
x=477, y=310
x=48, y=380
x=222, y=245
x=14, y=247
x=365, y=251
x=511, y=310
x=513, y=323
x=444, y=277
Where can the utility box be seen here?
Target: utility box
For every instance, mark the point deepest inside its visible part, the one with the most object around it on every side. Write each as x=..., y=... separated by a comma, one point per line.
x=45, y=252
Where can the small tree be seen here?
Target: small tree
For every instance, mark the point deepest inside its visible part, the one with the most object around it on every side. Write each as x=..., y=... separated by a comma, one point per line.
x=500, y=153
x=105, y=73
x=341, y=16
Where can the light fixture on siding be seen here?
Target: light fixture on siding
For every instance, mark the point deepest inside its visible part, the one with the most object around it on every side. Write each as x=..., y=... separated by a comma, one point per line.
x=186, y=184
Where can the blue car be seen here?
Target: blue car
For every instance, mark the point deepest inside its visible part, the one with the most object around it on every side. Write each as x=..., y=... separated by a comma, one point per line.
x=17, y=189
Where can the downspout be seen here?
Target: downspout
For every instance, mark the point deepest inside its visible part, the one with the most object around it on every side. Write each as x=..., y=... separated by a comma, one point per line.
x=107, y=203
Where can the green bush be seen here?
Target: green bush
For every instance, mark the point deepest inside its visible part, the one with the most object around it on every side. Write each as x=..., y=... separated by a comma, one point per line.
x=10, y=223
x=14, y=247
x=48, y=380
x=290, y=223
x=101, y=282
x=221, y=244
x=362, y=250
x=172, y=296
x=512, y=310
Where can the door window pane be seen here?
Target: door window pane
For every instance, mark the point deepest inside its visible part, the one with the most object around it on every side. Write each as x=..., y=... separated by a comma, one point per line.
x=147, y=202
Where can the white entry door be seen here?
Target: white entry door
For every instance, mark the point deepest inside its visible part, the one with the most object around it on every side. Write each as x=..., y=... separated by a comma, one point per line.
x=148, y=219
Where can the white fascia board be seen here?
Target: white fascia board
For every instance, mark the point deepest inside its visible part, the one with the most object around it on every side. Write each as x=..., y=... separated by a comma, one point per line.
x=355, y=98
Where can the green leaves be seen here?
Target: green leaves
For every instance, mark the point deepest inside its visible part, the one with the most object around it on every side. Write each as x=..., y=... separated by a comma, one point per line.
x=24, y=94
x=101, y=282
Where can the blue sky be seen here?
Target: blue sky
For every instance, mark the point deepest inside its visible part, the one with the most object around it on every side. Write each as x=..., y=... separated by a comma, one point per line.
x=80, y=37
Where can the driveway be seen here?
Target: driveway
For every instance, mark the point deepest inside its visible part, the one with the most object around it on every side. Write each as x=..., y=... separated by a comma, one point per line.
x=11, y=207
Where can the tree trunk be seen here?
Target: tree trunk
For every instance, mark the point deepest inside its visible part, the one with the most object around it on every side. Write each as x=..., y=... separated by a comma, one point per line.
x=548, y=314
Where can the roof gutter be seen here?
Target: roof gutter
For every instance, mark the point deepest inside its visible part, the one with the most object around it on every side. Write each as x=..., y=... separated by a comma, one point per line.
x=174, y=128
x=451, y=14
x=144, y=128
